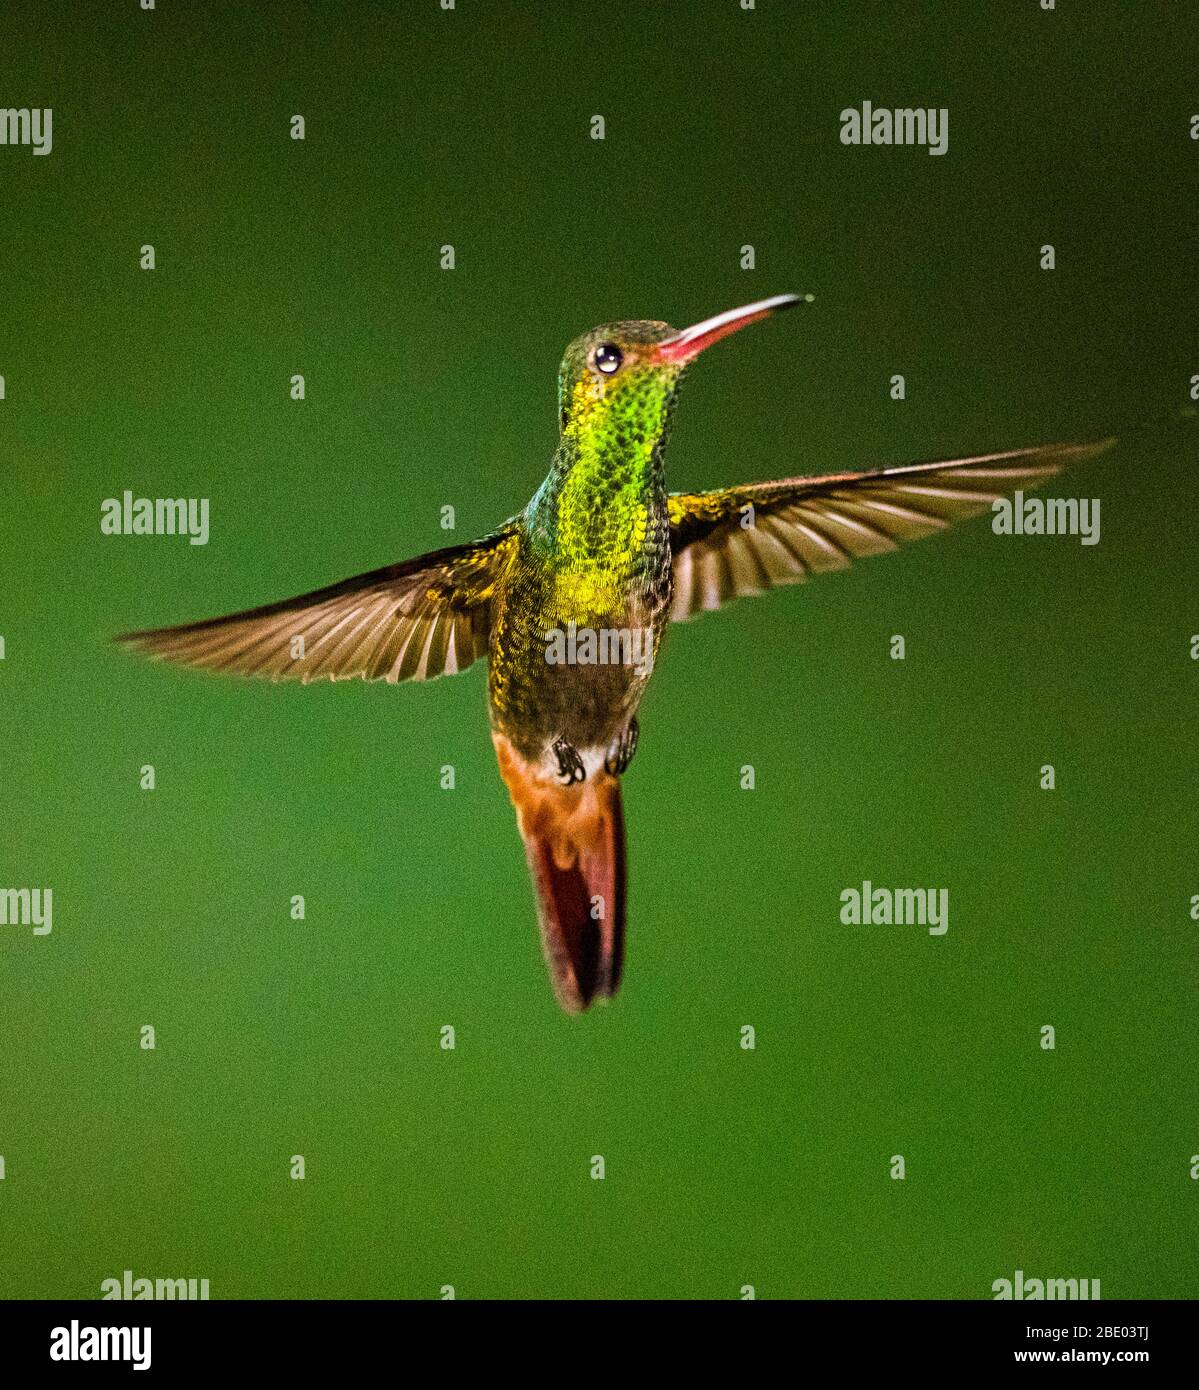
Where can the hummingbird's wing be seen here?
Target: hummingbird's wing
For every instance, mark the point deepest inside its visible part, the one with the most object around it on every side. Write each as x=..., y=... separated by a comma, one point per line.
x=423, y=618
x=744, y=540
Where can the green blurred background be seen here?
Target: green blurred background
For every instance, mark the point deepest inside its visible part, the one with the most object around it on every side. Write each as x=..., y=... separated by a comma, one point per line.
x=426, y=388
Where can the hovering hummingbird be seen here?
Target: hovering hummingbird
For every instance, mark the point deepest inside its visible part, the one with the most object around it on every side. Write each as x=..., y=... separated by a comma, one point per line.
x=602, y=548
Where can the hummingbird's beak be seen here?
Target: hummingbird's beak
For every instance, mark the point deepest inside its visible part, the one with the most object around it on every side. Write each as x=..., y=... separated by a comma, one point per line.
x=690, y=342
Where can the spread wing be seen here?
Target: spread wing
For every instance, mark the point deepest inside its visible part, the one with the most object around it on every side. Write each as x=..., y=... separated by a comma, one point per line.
x=423, y=618
x=745, y=540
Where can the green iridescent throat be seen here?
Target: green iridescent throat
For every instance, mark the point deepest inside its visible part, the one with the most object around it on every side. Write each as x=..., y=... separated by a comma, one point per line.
x=595, y=510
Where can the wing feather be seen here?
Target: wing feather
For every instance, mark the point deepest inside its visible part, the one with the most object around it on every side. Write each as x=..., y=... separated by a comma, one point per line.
x=741, y=541
x=413, y=621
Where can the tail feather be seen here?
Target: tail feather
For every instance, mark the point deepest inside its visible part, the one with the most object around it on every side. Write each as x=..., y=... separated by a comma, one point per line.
x=575, y=846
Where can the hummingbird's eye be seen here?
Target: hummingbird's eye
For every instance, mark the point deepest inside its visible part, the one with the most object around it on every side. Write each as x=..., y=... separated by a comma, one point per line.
x=607, y=358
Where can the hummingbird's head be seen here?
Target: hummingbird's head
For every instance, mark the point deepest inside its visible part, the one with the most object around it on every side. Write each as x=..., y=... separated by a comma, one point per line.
x=619, y=380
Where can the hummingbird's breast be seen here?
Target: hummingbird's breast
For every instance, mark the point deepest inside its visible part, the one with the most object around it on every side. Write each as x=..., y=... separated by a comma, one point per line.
x=577, y=628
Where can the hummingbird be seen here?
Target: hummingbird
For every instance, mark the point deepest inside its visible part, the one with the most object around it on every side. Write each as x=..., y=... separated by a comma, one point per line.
x=562, y=597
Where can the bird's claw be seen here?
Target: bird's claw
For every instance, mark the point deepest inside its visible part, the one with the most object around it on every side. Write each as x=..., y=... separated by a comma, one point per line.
x=620, y=754
x=570, y=765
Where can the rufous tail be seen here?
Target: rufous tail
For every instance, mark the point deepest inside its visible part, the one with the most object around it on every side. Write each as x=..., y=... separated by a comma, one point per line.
x=574, y=842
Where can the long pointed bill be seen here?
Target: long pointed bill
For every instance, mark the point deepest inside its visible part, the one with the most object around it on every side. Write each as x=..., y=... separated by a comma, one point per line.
x=691, y=341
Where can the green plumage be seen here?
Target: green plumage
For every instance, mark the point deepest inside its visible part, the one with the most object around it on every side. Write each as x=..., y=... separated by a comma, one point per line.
x=593, y=549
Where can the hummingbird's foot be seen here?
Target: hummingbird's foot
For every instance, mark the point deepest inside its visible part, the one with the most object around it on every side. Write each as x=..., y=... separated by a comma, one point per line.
x=570, y=765
x=620, y=754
